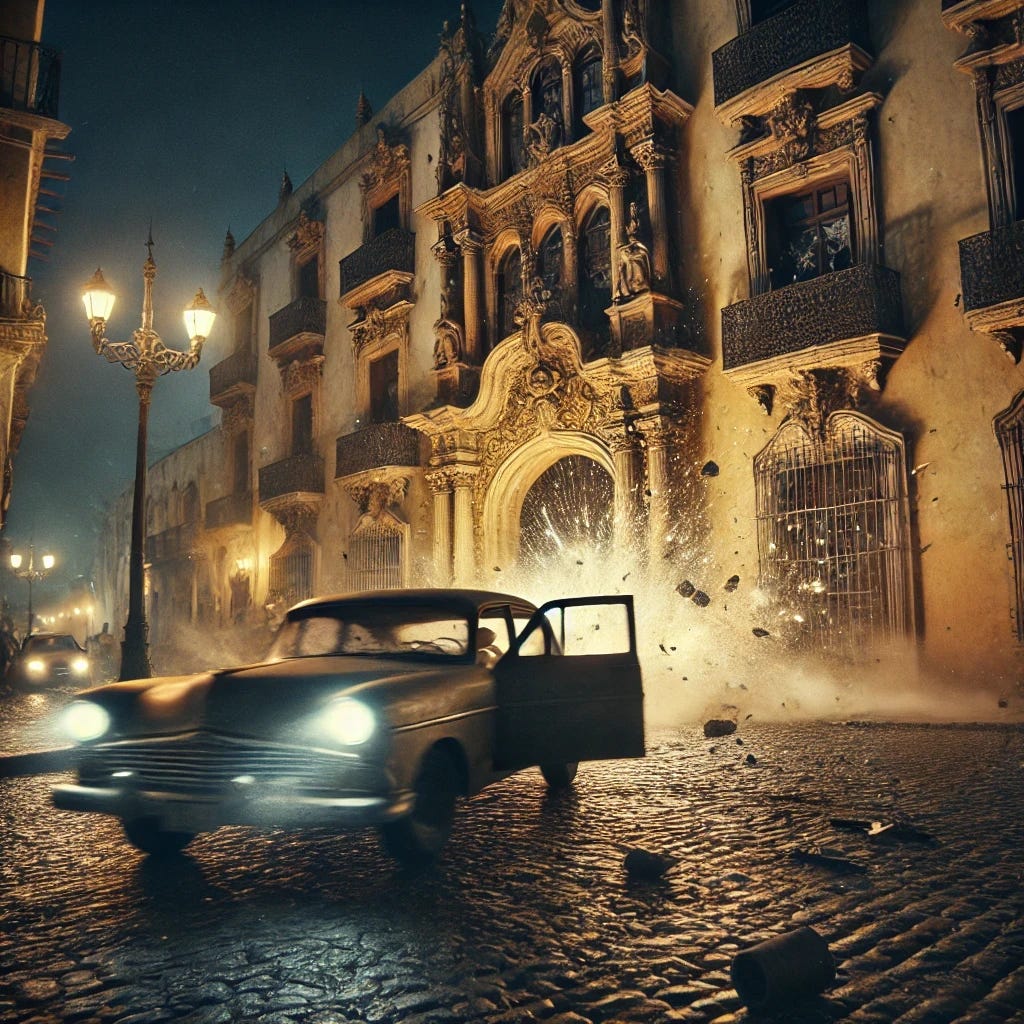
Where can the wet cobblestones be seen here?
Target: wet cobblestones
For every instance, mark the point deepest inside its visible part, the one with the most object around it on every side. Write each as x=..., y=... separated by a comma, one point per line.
x=530, y=915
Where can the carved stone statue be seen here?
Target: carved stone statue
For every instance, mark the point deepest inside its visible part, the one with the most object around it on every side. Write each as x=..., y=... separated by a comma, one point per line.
x=447, y=338
x=634, y=260
x=544, y=135
x=632, y=35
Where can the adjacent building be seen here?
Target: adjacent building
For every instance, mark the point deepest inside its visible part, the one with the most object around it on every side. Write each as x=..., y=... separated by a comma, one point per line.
x=31, y=165
x=726, y=297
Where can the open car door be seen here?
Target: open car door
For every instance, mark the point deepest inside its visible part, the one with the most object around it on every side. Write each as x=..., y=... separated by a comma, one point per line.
x=569, y=689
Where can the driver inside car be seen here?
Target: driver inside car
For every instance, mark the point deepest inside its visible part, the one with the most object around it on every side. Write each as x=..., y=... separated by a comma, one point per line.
x=487, y=649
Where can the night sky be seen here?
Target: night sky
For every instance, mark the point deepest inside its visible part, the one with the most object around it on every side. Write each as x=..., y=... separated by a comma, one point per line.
x=185, y=114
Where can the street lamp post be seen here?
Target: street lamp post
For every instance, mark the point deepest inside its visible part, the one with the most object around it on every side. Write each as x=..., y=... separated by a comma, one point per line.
x=148, y=358
x=31, y=573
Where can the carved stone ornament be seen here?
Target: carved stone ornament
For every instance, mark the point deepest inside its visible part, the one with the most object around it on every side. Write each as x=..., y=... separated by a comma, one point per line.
x=792, y=125
x=301, y=375
x=1010, y=343
x=378, y=324
x=811, y=396
x=308, y=234
x=448, y=344
x=240, y=295
x=238, y=416
x=634, y=260
x=375, y=496
x=544, y=136
x=764, y=395
x=528, y=314
x=387, y=162
x=633, y=35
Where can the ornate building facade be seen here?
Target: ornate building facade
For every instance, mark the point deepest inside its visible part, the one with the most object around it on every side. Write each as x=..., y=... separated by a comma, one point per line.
x=726, y=296
x=30, y=165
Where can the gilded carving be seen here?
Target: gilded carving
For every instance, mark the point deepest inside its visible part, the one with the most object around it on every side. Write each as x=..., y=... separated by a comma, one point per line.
x=375, y=496
x=308, y=234
x=377, y=324
x=387, y=162
x=448, y=342
x=634, y=260
x=764, y=395
x=792, y=126
x=238, y=416
x=241, y=294
x=811, y=396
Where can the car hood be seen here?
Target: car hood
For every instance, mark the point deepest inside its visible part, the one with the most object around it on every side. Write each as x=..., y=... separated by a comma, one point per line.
x=276, y=700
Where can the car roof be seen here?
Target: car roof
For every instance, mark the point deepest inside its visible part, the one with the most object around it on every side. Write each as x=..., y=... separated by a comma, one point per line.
x=466, y=601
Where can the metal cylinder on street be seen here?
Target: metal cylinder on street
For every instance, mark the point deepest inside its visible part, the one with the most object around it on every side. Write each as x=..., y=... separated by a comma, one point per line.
x=783, y=969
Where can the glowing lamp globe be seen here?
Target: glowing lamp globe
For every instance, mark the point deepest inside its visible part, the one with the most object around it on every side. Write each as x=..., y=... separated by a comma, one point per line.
x=15, y=561
x=98, y=298
x=48, y=561
x=199, y=317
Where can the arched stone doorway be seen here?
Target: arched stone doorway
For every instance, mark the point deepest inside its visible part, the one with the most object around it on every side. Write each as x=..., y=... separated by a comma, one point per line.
x=567, y=513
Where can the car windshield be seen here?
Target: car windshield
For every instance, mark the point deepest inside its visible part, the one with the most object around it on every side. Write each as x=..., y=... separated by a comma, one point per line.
x=371, y=630
x=42, y=644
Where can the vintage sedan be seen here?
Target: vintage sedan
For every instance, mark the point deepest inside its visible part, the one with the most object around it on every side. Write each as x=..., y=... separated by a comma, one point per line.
x=49, y=659
x=373, y=709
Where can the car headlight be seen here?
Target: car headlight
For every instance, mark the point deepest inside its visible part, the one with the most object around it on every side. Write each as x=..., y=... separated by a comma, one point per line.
x=83, y=721
x=36, y=666
x=348, y=721
x=80, y=666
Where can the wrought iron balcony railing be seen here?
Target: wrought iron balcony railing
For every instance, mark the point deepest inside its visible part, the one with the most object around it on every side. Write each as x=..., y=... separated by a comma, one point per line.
x=297, y=474
x=801, y=32
x=15, y=296
x=379, y=444
x=304, y=318
x=175, y=542
x=29, y=77
x=233, y=375
x=231, y=510
x=845, y=304
x=393, y=249
x=992, y=267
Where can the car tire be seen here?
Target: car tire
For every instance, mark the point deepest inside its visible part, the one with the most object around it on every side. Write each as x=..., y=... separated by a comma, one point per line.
x=559, y=776
x=146, y=835
x=416, y=840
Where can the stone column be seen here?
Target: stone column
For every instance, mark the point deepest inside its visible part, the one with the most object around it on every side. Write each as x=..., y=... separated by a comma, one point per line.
x=610, y=63
x=653, y=161
x=627, y=526
x=464, y=559
x=618, y=178
x=472, y=250
x=658, y=485
x=568, y=134
x=441, y=486
x=570, y=274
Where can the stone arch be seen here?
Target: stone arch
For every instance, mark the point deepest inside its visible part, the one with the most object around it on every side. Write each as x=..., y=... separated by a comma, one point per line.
x=515, y=476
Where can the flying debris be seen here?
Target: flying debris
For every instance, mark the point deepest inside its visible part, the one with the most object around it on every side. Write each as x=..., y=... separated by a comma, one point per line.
x=700, y=599
x=718, y=727
x=731, y=584
x=686, y=589
x=919, y=468
x=758, y=631
x=663, y=651
x=709, y=469
x=497, y=568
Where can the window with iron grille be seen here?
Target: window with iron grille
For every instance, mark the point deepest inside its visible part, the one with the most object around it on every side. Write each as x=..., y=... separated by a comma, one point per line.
x=376, y=554
x=1010, y=431
x=291, y=570
x=832, y=531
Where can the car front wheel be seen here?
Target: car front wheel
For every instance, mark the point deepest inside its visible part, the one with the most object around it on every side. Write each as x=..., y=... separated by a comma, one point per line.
x=418, y=838
x=146, y=835
x=559, y=776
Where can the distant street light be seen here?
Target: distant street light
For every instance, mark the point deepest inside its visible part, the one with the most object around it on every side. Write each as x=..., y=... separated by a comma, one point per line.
x=32, y=574
x=147, y=356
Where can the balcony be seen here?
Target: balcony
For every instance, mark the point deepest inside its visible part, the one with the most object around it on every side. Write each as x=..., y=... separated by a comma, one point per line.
x=992, y=275
x=814, y=39
x=838, y=310
x=29, y=77
x=378, y=266
x=380, y=444
x=231, y=510
x=298, y=328
x=296, y=479
x=169, y=545
x=232, y=378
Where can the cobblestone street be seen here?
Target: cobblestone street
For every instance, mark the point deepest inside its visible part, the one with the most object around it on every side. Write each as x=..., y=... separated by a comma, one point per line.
x=531, y=915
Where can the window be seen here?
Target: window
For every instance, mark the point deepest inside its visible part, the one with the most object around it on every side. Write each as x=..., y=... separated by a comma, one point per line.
x=241, y=464
x=510, y=292
x=384, y=388
x=589, y=90
x=302, y=425
x=291, y=570
x=387, y=216
x=547, y=106
x=308, y=282
x=809, y=234
x=595, y=271
x=376, y=554
x=551, y=265
x=1010, y=431
x=514, y=155
x=1014, y=135
x=761, y=10
x=832, y=529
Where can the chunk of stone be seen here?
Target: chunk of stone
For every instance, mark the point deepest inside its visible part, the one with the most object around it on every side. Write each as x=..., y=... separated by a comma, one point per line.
x=644, y=864
x=841, y=865
x=709, y=468
x=718, y=727
x=731, y=584
x=758, y=631
x=685, y=589
x=700, y=599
